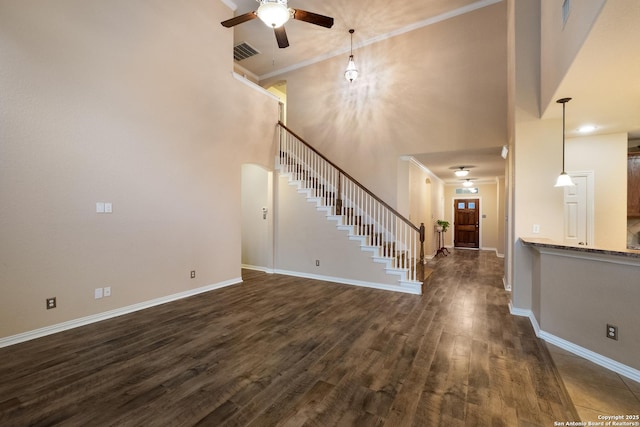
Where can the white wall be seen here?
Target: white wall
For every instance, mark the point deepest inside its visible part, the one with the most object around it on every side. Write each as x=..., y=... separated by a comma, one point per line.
x=131, y=103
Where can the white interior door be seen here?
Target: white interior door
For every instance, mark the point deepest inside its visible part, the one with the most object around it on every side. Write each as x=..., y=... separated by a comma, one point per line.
x=578, y=210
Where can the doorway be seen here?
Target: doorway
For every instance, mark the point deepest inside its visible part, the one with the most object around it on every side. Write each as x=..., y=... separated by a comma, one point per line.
x=578, y=210
x=466, y=225
x=257, y=218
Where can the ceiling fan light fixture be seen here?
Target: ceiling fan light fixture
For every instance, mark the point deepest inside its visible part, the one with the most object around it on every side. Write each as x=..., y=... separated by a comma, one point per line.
x=352, y=71
x=468, y=183
x=274, y=13
x=461, y=172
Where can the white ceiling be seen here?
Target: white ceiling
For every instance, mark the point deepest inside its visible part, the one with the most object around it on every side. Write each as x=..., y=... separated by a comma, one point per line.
x=604, y=80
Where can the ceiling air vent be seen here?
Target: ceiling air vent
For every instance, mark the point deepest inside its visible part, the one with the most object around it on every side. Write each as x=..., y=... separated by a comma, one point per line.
x=243, y=51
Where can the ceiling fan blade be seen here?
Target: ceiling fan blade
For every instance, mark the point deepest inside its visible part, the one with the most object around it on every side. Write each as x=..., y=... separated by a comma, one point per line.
x=313, y=18
x=239, y=19
x=281, y=37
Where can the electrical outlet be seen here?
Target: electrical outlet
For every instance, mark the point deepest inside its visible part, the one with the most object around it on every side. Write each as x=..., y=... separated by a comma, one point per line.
x=51, y=303
x=536, y=228
x=317, y=263
x=612, y=332
x=193, y=274
x=107, y=291
x=97, y=293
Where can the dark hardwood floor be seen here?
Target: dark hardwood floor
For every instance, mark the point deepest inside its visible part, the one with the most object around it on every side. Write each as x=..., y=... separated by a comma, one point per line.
x=280, y=350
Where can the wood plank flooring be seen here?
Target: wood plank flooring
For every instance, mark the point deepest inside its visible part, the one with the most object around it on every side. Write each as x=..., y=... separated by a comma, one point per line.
x=278, y=350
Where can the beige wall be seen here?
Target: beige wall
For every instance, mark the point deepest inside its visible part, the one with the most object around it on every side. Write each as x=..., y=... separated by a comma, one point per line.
x=579, y=296
x=569, y=297
x=128, y=103
x=304, y=235
x=539, y=202
x=430, y=90
x=501, y=212
x=560, y=43
x=489, y=216
x=424, y=191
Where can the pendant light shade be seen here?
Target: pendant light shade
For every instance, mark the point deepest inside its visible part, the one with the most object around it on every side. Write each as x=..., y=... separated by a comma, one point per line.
x=564, y=180
x=352, y=71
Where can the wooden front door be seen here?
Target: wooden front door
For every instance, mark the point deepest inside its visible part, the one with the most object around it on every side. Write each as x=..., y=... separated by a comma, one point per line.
x=466, y=226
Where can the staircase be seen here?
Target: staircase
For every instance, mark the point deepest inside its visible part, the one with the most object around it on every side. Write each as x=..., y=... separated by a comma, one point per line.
x=391, y=239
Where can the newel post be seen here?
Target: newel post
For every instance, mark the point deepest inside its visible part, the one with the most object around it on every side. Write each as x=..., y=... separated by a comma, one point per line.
x=422, y=232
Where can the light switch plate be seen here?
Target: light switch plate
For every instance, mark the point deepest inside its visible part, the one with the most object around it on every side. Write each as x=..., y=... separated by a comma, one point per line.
x=107, y=291
x=108, y=207
x=97, y=293
x=99, y=207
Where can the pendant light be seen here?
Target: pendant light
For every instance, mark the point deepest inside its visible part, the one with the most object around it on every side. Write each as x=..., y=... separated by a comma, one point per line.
x=564, y=180
x=352, y=72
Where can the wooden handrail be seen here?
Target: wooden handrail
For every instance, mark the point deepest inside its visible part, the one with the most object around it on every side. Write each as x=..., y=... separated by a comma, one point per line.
x=365, y=189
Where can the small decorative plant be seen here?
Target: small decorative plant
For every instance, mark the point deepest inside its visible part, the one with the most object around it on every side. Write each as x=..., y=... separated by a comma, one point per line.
x=443, y=224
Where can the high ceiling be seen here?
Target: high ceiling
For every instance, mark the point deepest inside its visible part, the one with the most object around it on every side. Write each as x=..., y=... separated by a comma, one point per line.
x=371, y=20
x=603, y=79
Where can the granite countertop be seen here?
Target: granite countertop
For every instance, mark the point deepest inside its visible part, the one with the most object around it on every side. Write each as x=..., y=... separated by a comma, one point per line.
x=548, y=243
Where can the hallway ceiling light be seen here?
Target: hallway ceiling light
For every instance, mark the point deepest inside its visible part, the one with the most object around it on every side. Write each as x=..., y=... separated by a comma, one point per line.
x=462, y=172
x=352, y=72
x=467, y=183
x=564, y=180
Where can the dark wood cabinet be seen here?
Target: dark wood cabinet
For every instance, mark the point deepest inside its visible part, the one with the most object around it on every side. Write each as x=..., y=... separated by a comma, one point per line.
x=633, y=185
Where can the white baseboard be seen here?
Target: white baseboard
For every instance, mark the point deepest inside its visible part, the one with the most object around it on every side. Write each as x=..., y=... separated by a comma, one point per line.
x=408, y=289
x=585, y=353
x=258, y=268
x=498, y=254
x=592, y=356
x=75, y=323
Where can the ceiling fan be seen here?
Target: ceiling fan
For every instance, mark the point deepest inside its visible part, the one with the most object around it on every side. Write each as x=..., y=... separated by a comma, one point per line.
x=274, y=13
